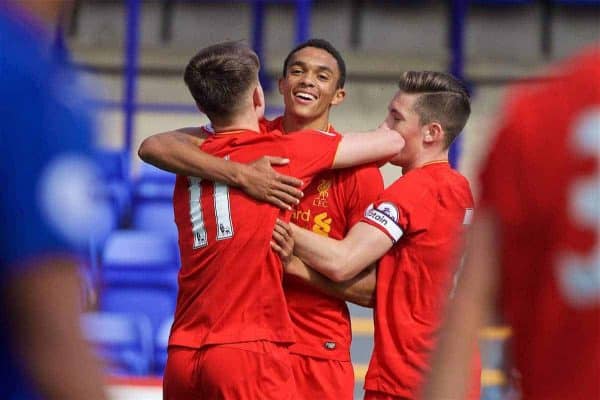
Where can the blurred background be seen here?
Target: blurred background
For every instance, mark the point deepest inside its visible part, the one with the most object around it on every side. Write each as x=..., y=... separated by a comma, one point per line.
x=134, y=53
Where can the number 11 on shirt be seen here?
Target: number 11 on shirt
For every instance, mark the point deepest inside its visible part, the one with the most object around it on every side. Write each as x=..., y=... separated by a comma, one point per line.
x=222, y=212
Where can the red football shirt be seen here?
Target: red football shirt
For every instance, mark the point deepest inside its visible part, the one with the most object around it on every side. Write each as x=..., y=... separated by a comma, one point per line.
x=423, y=213
x=230, y=282
x=332, y=203
x=541, y=180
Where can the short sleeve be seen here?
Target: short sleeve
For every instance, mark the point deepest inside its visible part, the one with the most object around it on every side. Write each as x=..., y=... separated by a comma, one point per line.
x=403, y=208
x=362, y=186
x=311, y=152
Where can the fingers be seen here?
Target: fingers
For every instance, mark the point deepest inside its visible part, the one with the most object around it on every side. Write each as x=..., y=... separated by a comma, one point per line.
x=277, y=160
x=279, y=224
x=277, y=248
x=290, y=180
x=285, y=197
x=281, y=235
x=279, y=239
x=278, y=203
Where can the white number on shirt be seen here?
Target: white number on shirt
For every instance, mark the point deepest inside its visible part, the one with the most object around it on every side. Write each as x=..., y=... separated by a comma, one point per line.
x=222, y=212
x=579, y=274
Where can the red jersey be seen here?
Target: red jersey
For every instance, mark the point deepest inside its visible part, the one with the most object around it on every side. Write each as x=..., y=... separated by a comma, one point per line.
x=230, y=282
x=541, y=181
x=332, y=203
x=423, y=213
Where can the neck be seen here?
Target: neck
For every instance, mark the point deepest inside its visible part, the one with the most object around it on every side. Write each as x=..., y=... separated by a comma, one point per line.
x=246, y=121
x=293, y=123
x=428, y=156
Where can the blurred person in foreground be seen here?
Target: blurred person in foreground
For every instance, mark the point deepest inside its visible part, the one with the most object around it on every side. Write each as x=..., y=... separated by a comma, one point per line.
x=533, y=248
x=45, y=210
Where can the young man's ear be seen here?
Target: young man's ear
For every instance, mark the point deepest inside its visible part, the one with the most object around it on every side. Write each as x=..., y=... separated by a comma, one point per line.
x=433, y=132
x=280, y=84
x=258, y=98
x=338, y=97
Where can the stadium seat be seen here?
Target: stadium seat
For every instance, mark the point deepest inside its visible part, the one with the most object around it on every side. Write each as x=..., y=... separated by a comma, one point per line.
x=123, y=341
x=161, y=341
x=113, y=164
x=139, y=274
x=155, y=216
x=154, y=183
x=130, y=249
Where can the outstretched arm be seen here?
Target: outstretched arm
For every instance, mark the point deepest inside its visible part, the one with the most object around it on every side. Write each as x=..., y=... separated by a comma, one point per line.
x=360, y=148
x=178, y=152
x=341, y=260
x=358, y=290
x=472, y=303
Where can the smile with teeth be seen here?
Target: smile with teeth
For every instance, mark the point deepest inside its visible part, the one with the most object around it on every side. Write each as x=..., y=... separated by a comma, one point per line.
x=305, y=96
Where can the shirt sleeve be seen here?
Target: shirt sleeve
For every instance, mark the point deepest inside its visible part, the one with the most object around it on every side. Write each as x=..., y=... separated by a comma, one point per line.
x=403, y=208
x=362, y=186
x=311, y=152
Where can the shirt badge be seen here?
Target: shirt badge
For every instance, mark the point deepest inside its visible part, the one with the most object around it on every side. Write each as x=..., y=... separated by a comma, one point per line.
x=323, y=189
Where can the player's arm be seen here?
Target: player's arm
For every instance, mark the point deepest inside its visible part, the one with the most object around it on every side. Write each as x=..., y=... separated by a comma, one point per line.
x=358, y=290
x=43, y=309
x=178, y=152
x=341, y=260
x=360, y=148
x=472, y=304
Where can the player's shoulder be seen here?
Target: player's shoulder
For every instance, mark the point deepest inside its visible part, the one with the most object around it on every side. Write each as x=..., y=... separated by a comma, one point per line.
x=362, y=174
x=411, y=187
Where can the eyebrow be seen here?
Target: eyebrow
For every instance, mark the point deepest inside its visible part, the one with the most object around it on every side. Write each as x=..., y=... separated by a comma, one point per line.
x=304, y=65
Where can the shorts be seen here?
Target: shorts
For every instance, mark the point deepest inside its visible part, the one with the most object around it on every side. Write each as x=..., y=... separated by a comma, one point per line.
x=319, y=378
x=240, y=371
x=374, y=395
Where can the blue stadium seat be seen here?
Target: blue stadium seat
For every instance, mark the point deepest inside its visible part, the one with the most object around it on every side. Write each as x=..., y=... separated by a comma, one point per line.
x=113, y=164
x=130, y=249
x=155, y=216
x=161, y=342
x=154, y=183
x=123, y=341
x=156, y=303
x=139, y=274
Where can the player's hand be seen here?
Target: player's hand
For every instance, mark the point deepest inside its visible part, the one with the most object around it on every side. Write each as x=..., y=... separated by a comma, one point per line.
x=283, y=241
x=261, y=182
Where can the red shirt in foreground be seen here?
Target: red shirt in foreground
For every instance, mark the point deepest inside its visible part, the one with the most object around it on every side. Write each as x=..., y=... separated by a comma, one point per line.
x=423, y=213
x=541, y=181
x=230, y=282
x=332, y=203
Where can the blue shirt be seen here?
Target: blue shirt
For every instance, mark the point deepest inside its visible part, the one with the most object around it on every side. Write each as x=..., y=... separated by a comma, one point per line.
x=46, y=173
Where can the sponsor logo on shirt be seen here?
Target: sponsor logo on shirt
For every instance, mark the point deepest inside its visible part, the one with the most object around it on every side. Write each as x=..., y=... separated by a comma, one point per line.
x=322, y=224
x=299, y=216
x=323, y=189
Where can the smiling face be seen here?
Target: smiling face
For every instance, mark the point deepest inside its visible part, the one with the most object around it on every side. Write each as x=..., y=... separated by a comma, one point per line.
x=310, y=86
x=403, y=118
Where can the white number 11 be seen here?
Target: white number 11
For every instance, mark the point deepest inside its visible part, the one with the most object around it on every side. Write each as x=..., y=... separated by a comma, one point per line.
x=222, y=212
